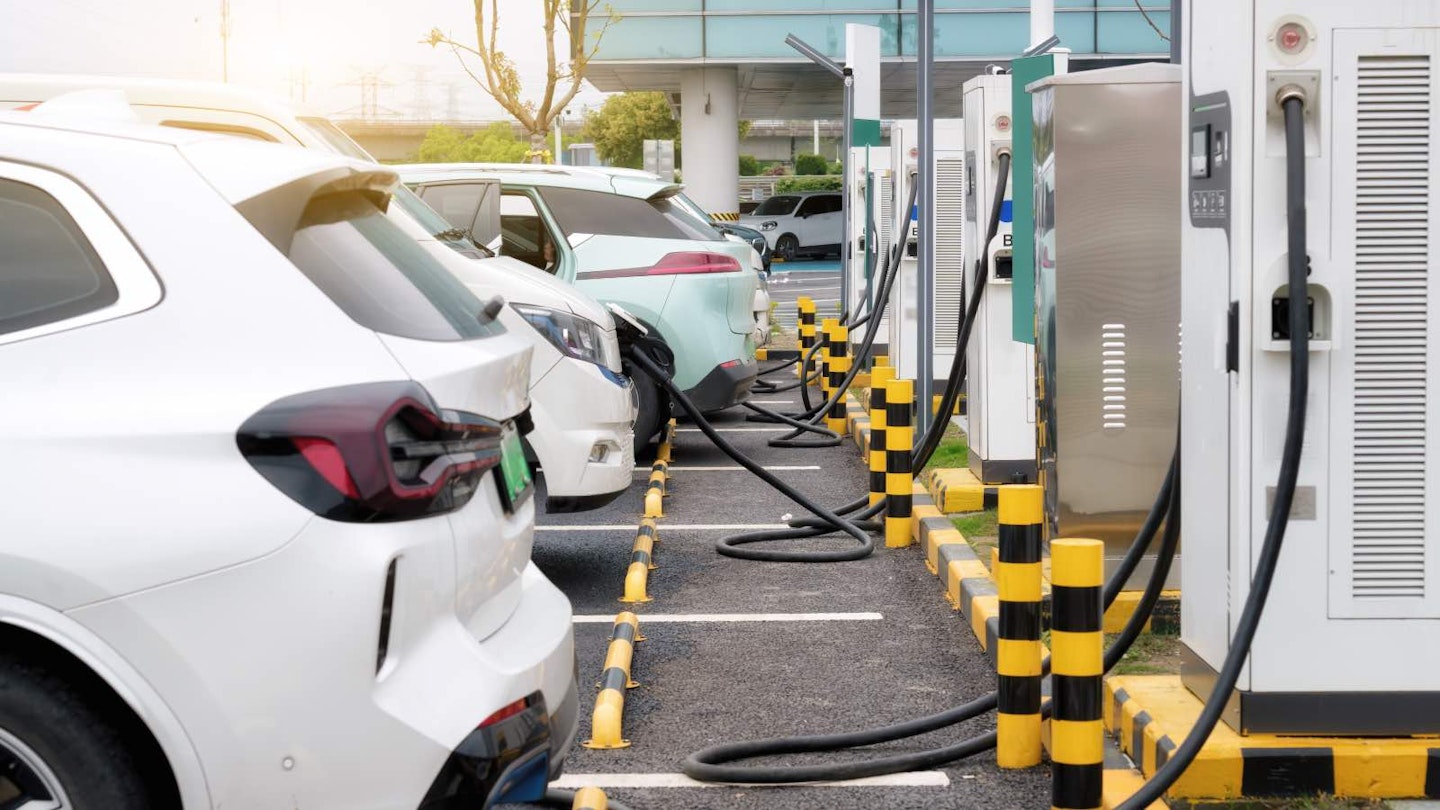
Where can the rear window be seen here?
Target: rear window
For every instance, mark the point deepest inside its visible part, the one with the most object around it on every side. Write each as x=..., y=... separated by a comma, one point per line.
x=336, y=138
x=684, y=218
x=48, y=270
x=777, y=206
x=596, y=212
x=381, y=277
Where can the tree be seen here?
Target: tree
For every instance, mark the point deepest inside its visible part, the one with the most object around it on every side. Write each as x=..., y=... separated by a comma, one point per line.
x=497, y=74
x=807, y=164
x=749, y=166
x=624, y=122
x=494, y=144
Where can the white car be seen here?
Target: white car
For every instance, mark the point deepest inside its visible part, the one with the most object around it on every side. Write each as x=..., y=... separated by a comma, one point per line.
x=267, y=522
x=584, y=407
x=801, y=224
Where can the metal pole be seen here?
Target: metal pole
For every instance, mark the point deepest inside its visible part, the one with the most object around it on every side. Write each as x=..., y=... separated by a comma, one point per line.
x=845, y=188
x=1177, y=27
x=1042, y=20
x=816, y=138
x=925, y=271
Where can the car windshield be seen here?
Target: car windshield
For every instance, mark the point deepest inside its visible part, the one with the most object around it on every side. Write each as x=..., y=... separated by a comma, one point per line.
x=336, y=139
x=777, y=206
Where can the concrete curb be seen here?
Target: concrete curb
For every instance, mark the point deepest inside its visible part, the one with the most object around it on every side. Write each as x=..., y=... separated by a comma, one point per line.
x=608, y=718
x=1148, y=714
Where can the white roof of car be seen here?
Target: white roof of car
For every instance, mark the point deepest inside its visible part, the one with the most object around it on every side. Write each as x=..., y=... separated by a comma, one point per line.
x=238, y=169
x=536, y=174
x=24, y=88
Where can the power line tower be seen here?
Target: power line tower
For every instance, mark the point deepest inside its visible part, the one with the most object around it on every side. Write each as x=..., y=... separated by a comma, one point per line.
x=369, y=109
x=452, y=102
x=420, y=102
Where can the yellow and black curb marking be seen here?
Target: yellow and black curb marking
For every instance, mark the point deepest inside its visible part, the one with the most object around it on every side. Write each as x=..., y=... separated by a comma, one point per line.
x=968, y=585
x=958, y=490
x=1148, y=713
x=725, y=216
x=590, y=798
x=782, y=355
x=1077, y=733
x=607, y=720
x=642, y=562
x=1018, y=648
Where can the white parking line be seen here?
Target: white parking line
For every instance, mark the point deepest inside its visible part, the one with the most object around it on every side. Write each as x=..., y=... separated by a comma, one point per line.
x=620, y=781
x=677, y=618
x=698, y=527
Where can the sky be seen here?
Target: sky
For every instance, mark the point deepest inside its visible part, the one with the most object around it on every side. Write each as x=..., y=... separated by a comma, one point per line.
x=316, y=51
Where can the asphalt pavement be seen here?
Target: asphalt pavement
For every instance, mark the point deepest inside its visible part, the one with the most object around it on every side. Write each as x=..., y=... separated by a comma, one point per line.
x=818, y=279
x=896, y=652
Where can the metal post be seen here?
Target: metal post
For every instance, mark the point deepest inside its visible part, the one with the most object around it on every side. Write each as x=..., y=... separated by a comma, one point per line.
x=845, y=183
x=899, y=479
x=1017, y=659
x=925, y=271
x=840, y=364
x=1177, y=28
x=1077, y=736
x=880, y=378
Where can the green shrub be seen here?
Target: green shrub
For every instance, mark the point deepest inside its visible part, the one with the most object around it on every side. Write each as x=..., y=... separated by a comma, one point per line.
x=822, y=183
x=837, y=168
x=807, y=164
x=749, y=166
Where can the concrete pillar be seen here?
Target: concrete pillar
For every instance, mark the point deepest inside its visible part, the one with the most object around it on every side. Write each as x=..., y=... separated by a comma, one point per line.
x=710, y=137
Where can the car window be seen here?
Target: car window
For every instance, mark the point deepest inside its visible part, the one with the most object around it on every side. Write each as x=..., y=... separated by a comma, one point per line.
x=435, y=225
x=813, y=206
x=777, y=206
x=682, y=217
x=48, y=269
x=456, y=202
x=336, y=139
x=829, y=203
x=383, y=279
x=523, y=234
x=578, y=211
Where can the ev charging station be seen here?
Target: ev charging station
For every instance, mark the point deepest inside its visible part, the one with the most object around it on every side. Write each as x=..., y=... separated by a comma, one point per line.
x=1349, y=642
x=872, y=217
x=1000, y=387
x=948, y=171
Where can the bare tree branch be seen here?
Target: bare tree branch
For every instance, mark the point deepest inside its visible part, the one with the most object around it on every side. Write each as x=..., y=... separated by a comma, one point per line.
x=500, y=79
x=1146, y=15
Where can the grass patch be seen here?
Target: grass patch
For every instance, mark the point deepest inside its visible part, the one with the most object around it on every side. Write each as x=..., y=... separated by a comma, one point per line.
x=953, y=452
x=1151, y=654
x=977, y=524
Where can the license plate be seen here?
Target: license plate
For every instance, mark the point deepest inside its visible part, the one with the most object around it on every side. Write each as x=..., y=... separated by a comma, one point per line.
x=514, y=479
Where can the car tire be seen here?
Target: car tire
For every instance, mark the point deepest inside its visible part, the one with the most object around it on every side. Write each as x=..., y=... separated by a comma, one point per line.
x=653, y=407
x=53, y=739
x=787, y=248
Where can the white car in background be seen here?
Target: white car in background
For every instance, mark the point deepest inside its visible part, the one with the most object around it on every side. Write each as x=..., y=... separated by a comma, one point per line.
x=802, y=224
x=584, y=407
x=267, y=521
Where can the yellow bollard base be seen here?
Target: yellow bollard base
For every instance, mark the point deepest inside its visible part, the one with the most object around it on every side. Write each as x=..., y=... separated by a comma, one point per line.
x=594, y=746
x=654, y=505
x=1017, y=740
x=897, y=533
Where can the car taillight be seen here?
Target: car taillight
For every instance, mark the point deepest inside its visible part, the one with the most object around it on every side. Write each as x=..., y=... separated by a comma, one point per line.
x=687, y=262
x=371, y=453
x=505, y=712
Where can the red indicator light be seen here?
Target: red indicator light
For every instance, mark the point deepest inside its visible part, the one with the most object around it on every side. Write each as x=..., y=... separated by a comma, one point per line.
x=1292, y=38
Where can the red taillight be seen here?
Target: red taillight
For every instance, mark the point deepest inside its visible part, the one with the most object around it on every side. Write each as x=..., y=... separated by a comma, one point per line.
x=371, y=453
x=687, y=262
x=27, y=107
x=506, y=712
x=730, y=364
x=681, y=263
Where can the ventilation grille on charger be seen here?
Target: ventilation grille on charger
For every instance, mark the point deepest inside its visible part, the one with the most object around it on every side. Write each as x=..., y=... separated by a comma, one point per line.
x=1392, y=251
x=1114, y=380
x=885, y=226
x=949, y=264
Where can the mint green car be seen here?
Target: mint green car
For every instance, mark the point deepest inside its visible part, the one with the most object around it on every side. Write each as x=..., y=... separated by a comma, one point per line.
x=626, y=239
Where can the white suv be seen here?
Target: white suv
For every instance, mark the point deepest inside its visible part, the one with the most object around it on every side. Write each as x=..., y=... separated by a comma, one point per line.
x=584, y=407
x=267, y=524
x=801, y=224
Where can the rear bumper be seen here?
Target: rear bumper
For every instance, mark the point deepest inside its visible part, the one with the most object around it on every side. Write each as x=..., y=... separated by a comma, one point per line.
x=724, y=387
x=508, y=761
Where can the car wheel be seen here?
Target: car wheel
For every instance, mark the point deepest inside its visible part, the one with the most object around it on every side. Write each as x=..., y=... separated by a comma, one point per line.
x=652, y=410
x=57, y=749
x=787, y=248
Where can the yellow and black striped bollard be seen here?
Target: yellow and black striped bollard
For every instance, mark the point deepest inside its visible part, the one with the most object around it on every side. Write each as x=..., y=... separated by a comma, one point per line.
x=880, y=377
x=899, y=478
x=1018, y=654
x=805, y=325
x=827, y=340
x=642, y=562
x=590, y=798
x=839, y=367
x=608, y=719
x=1077, y=644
